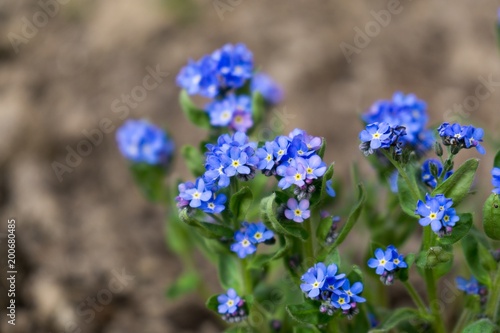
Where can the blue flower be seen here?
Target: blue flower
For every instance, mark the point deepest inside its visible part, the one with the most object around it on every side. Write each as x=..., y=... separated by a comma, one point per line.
x=472, y=138
x=427, y=176
x=297, y=211
x=437, y=212
x=235, y=162
x=216, y=205
x=461, y=136
x=181, y=202
x=341, y=300
x=281, y=147
x=407, y=111
x=313, y=143
x=197, y=195
x=377, y=135
x=263, y=84
x=215, y=172
x=329, y=188
x=430, y=213
x=258, y=233
x=294, y=174
x=353, y=291
x=470, y=287
x=266, y=156
x=313, y=280
x=199, y=77
x=314, y=165
x=495, y=180
x=234, y=65
x=233, y=111
x=397, y=259
x=333, y=280
x=382, y=261
x=243, y=246
x=228, y=303
x=142, y=142
x=242, y=121
x=225, y=69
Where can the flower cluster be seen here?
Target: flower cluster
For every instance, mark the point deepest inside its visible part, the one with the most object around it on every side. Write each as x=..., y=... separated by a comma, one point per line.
x=437, y=212
x=222, y=76
x=495, y=180
x=431, y=171
x=249, y=236
x=407, y=111
x=387, y=263
x=458, y=137
x=381, y=135
x=333, y=290
x=226, y=68
x=231, y=307
x=142, y=142
x=231, y=156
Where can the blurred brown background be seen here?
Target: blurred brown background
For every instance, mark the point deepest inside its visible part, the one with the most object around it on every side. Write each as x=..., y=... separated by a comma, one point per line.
x=60, y=80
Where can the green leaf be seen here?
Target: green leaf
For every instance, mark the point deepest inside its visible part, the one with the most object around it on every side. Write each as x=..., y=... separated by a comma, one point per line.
x=240, y=329
x=403, y=274
x=210, y=230
x=458, y=185
x=229, y=272
x=259, y=261
x=186, y=283
x=150, y=178
x=176, y=235
x=405, y=196
x=491, y=217
x=301, y=329
x=285, y=228
x=240, y=203
x=496, y=162
x=433, y=257
x=326, y=177
x=307, y=313
x=333, y=257
x=355, y=275
x=397, y=317
x=353, y=217
x=212, y=303
x=481, y=326
x=193, y=113
x=194, y=160
x=470, y=246
x=324, y=228
x=322, y=149
x=460, y=230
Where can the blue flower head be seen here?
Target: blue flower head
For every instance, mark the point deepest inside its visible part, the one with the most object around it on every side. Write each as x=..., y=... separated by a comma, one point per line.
x=229, y=302
x=258, y=233
x=408, y=112
x=459, y=137
x=313, y=280
x=333, y=280
x=232, y=111
x=470, y=287
x=341, y=300
x=243, y=245
x=382, y=261
x=226, y=68
x=297, y=211
x=387, y=263
x=263, y=84
x=197, y=195
x=427, y=176
x=215, y=205
x=437, y=212
x=495, y=180
x=353, y=291
x=142, y=142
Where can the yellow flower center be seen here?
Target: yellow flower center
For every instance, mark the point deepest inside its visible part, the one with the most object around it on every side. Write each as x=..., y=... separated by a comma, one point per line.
x=298, y=176
x=446, y=218
x=230, y=302
x=245, y=242
x=269, y=157
x=235, y=163
x=383, y=261
x=257, y=235
x=196, y=195
x=298, y=212
x=316, y=284
x=309, y=170
x=433, y=216
x=396, y=261
x=376, y=135
x=341, y=301
x=281, y=152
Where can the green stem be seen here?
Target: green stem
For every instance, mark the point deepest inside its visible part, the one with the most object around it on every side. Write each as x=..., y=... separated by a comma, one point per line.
x=413, y=188
x=247, y=277
x=462, y=321
x=494, y=298
x=309, y=244
x=415, y=296
x=430, y=283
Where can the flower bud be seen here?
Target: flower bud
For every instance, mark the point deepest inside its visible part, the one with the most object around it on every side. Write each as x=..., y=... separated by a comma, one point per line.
x=438, y=149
